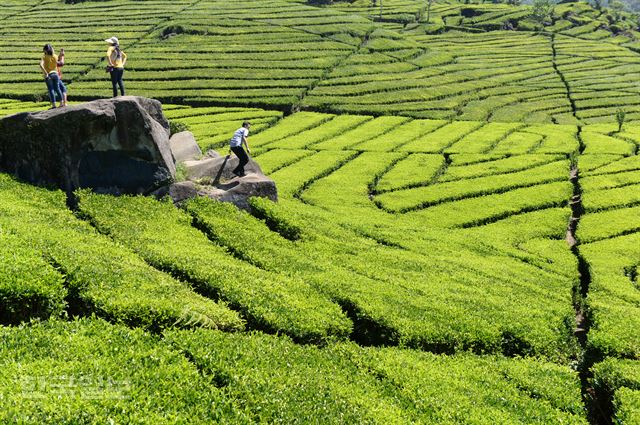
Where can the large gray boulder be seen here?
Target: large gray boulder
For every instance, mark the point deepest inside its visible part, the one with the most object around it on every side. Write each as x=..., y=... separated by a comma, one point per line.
x=118, y=145
x=212, y=177
x=218, y=168
x=239, y=190
x=184, y=147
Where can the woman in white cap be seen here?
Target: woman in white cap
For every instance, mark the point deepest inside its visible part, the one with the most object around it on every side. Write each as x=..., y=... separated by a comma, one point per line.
x=117, y=59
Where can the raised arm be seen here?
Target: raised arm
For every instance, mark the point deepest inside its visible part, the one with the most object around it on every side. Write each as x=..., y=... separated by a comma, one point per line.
x=61, y=58
x=124, y=58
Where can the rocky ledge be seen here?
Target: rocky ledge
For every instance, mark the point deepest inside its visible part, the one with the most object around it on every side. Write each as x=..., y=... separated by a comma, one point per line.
x=121, y=146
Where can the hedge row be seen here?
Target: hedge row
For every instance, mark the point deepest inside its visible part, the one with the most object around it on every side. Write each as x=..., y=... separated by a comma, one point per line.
x=165, y=238
x=120, y=286
x=88, y=371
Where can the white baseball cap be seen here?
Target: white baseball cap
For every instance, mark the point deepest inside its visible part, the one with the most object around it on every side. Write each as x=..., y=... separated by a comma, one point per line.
x=112, y=40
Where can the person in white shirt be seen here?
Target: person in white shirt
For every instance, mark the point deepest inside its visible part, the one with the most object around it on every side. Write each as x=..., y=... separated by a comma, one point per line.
x=239, y=138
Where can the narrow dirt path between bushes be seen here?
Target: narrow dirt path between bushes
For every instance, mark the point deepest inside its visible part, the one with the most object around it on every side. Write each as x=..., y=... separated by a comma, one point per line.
x=598, y=407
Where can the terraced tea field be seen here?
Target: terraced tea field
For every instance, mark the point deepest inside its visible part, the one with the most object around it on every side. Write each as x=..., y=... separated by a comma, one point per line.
x=455, y=241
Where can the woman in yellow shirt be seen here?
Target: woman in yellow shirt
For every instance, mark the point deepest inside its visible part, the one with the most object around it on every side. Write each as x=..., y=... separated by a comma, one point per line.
x=117, y=59
x=49, y=66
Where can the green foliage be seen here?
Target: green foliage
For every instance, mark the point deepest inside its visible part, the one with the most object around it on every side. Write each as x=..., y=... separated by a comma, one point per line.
x=376, y=302
x=89, y=371
x=347, y=383
x=427, y=210
x=620, y=116
x=120, y=286
x=29, y=286
x=416, y=169
x=177, y=127
x=620, y=379
x=627, y=405
x=276, y=218
x=597, y=143
x=275, y=159
x=441, y=138
x=366, y=131
x=542, y=10
x=399, y=136
x=334, y=127
x=613, y=296
x=609, y=235
x=462, y=167
x=346, y=57
x=181, y=172
x=290, y=127
x=422, y=197
x=608, y=224
x=164, y=237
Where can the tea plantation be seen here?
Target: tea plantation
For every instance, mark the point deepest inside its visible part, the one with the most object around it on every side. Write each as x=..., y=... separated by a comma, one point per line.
x=457, y=238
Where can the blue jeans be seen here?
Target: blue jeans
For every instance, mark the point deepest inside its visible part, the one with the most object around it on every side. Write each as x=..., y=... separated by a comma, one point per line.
x=116, y=81
x=53, y=85
x=63, y=88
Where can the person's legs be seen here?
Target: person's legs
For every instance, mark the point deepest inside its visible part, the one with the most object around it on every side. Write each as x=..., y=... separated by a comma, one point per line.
x=121, y=81
x=63, y=90
x=114, y=81
x=52, y=94
x=54, y=82
x=243, y=159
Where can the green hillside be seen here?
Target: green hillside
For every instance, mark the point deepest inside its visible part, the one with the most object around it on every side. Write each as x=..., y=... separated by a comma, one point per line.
x=456, y=240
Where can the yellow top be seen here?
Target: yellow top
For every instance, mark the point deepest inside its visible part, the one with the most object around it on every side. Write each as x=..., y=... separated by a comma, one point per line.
x=118, y=63
x=50, y=63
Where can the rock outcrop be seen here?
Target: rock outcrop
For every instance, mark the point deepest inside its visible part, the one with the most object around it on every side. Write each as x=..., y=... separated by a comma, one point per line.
x=119, y=146
x=212, y=176
x=184, y=147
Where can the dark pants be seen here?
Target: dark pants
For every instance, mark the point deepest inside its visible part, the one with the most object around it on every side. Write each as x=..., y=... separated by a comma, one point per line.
x=242, y=156
x=53, y=85
x=116, y=81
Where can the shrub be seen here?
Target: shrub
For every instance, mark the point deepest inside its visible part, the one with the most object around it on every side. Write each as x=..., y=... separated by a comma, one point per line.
x=620, y=116
x=88, y=371
x=277, y=219
x=163, y=235
x=29, y=286
x=345, y=383
x=177, y=127
x=119, y=286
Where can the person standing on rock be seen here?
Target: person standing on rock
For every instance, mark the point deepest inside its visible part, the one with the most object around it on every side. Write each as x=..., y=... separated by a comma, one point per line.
x=240, y=138
x=63, y=88
x=117, y=60
x=49, y=66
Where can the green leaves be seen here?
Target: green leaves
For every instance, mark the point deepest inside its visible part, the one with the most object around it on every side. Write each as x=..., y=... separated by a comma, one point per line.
x=270, y=299
x=620, y=380
x=119, y=286
x=280, y=381
x=30, y=287
x=89, y=371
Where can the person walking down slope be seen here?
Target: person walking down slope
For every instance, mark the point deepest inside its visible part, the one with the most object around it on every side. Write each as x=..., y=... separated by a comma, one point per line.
x=49, y=66
x=117, y=60
x=240, y=138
